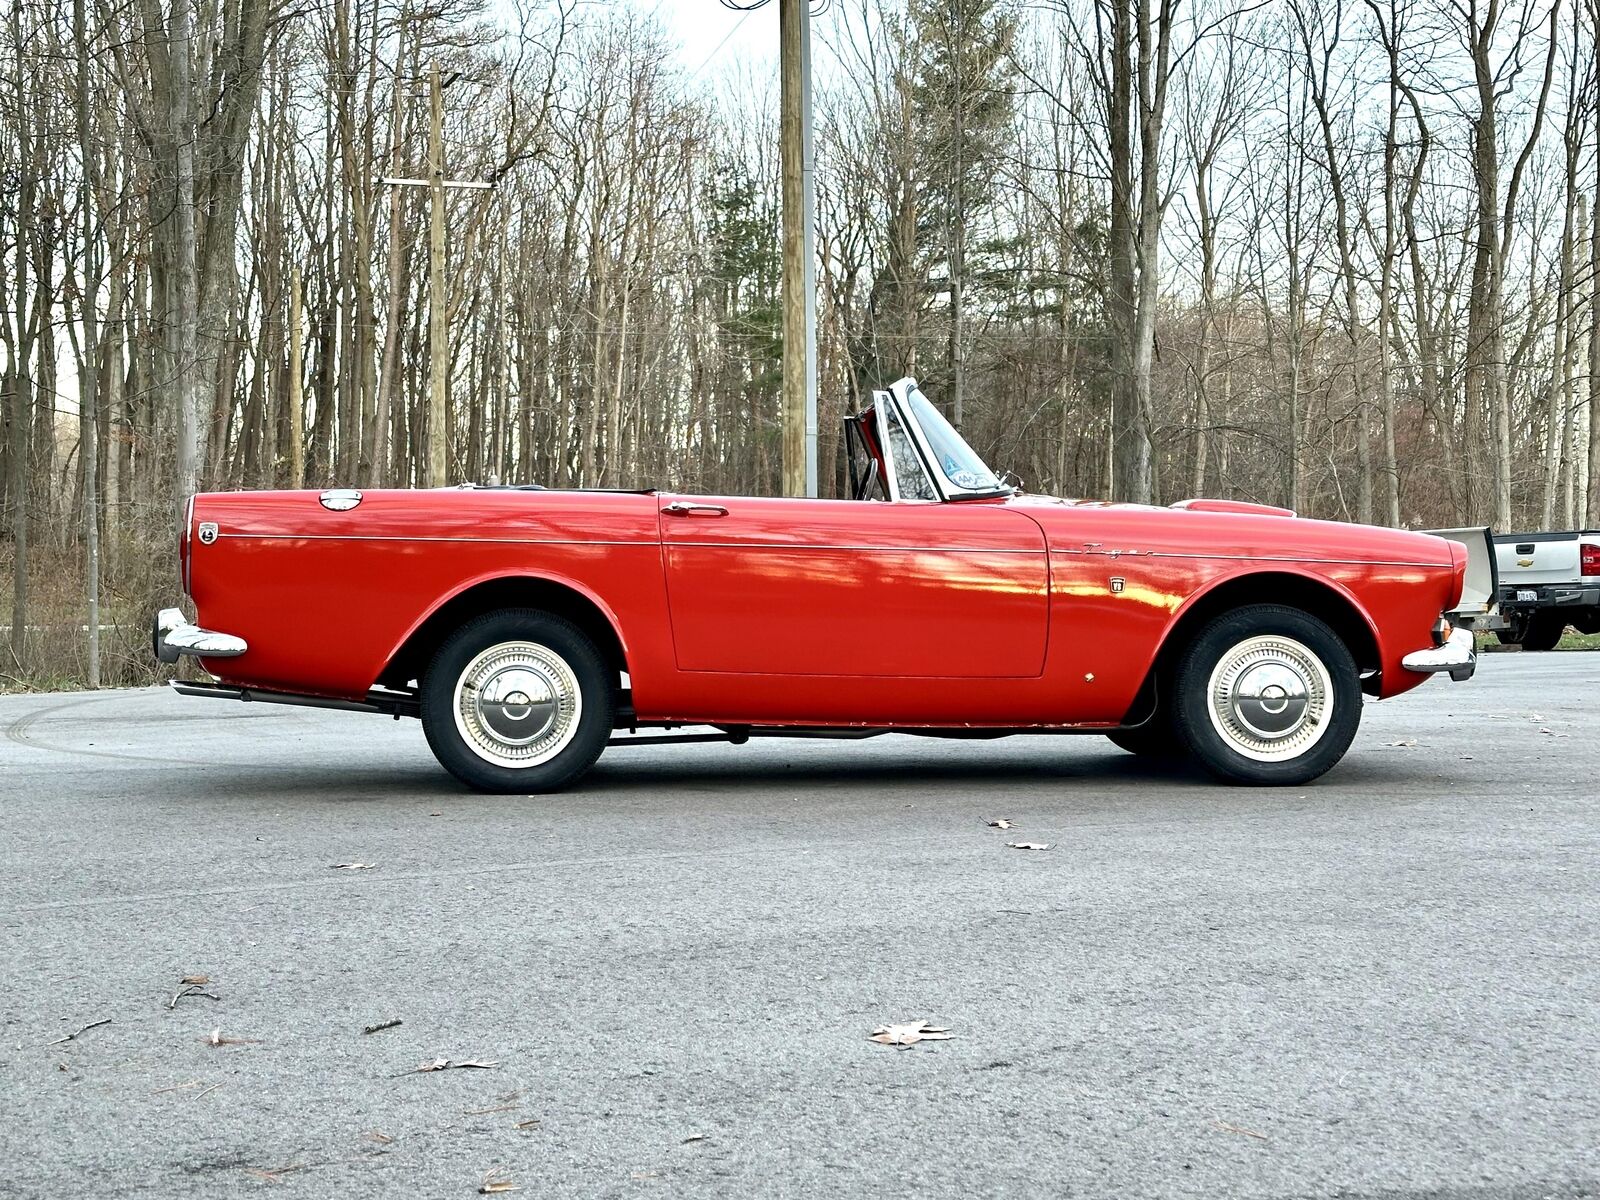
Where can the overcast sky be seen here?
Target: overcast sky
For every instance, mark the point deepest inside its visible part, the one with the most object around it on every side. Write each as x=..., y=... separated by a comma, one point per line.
x=713, y=36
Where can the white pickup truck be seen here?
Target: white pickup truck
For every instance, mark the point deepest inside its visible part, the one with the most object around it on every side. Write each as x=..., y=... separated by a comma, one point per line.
x=1547, y=582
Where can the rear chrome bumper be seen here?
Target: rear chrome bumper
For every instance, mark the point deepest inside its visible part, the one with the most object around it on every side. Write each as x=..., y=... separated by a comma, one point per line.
x=173, y=637
x=1458, y=656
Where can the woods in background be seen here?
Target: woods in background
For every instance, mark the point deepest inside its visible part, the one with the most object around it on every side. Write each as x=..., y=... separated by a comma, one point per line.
x=1338, y=256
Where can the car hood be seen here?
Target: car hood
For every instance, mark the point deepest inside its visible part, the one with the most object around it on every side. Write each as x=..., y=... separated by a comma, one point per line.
x=1224, y=529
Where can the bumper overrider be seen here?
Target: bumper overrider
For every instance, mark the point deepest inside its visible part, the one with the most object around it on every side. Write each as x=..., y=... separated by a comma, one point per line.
x=173, y=637
x=1456, y=654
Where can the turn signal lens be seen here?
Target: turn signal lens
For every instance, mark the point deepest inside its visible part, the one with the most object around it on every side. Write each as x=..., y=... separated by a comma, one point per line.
x=1442, y=629
x=1588, y=559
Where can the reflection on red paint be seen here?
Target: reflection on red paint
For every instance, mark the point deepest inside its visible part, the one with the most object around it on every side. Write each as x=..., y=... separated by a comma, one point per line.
x=826, y=612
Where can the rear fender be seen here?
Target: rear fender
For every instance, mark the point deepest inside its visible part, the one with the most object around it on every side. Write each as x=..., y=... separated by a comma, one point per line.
x=397, y=660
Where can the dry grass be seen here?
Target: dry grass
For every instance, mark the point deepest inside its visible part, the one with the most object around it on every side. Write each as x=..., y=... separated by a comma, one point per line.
x=141, y=577
x=1571, y=640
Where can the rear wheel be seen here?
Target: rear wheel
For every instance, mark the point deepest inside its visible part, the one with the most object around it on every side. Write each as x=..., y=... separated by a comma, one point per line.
x=1544, y=631
x=1516, y=628
x=1267, y=695
x=517, y=701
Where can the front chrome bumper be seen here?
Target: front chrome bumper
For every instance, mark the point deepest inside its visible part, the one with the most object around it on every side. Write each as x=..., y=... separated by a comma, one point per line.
x=1458, y=656
x=173, y=637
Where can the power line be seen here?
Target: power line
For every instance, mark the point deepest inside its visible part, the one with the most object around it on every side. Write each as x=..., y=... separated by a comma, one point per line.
x=737, y=25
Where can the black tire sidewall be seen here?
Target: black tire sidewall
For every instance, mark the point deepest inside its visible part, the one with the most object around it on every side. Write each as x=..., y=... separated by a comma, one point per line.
x=1544, y=632
x=1191, y=700
x=510, y=625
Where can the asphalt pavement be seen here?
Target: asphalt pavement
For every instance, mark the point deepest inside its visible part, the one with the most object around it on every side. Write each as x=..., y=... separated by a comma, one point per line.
x=1380, y=985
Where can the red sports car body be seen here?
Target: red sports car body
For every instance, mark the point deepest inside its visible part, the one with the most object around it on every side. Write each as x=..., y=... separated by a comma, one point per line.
x=942, y=600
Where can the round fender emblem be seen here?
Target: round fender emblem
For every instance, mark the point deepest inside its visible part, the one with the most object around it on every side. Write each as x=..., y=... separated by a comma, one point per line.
x=340, y=499
x=208, y=532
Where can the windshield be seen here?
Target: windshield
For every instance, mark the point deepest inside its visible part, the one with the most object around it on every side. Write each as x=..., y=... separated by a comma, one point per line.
x=951, y=454
x=909, y=472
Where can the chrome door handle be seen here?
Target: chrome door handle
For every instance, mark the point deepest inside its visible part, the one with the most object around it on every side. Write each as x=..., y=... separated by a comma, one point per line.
x=682, y=508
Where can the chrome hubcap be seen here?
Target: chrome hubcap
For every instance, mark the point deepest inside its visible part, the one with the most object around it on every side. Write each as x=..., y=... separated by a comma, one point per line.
x=517, y=704
x=1271, y=698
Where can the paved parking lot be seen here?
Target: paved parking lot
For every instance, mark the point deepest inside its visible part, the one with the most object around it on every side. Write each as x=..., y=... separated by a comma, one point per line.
x=1383, y=984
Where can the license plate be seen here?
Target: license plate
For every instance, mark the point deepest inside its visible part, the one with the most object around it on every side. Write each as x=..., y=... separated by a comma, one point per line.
x=1527, y=596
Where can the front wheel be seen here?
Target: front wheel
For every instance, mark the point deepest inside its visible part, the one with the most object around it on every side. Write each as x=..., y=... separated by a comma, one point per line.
x=1267, y=695
x=517, y=701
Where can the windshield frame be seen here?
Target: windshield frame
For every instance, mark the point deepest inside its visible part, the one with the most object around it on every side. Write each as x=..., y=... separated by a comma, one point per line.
x=948, y=489
x=885, y=413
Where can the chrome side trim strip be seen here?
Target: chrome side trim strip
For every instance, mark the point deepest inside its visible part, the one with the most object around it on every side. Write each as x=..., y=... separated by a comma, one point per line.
x=730, y=545
x=384, y=537
x=1275, y=558
x=1064, y=550
x=669, y=545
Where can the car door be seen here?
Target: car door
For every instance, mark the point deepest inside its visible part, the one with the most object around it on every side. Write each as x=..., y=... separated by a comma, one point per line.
x=844, y=587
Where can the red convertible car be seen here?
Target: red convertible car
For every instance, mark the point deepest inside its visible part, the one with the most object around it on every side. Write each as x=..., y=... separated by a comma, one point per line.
x=525, y=626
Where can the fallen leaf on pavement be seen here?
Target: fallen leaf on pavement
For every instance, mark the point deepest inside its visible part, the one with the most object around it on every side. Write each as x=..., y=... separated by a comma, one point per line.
x=216, y=1039
x=495, y=1182
x=353, y=866
x=1405, y=744
x=1002, y=823
x=379, y=1136
x=910, y=1034
x=381, y=1026
x=196, y=980
x=694, y=1137
x=1029, y=845
x=1227, y=1128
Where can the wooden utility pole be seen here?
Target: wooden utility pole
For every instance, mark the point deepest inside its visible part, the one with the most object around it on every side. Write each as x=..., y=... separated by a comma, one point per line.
x=438, y=391
x=438, y=462
x=191, y=423
x=88, y=390
x=799, y=261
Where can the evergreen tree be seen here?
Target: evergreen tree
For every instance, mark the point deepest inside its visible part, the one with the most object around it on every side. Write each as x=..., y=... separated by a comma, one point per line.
x=962, y=96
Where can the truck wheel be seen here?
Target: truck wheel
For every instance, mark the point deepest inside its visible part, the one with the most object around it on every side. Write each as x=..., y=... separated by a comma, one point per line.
x=1516, y=628
x=1544, y=631
x=517, y=701
x=1267, y=695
